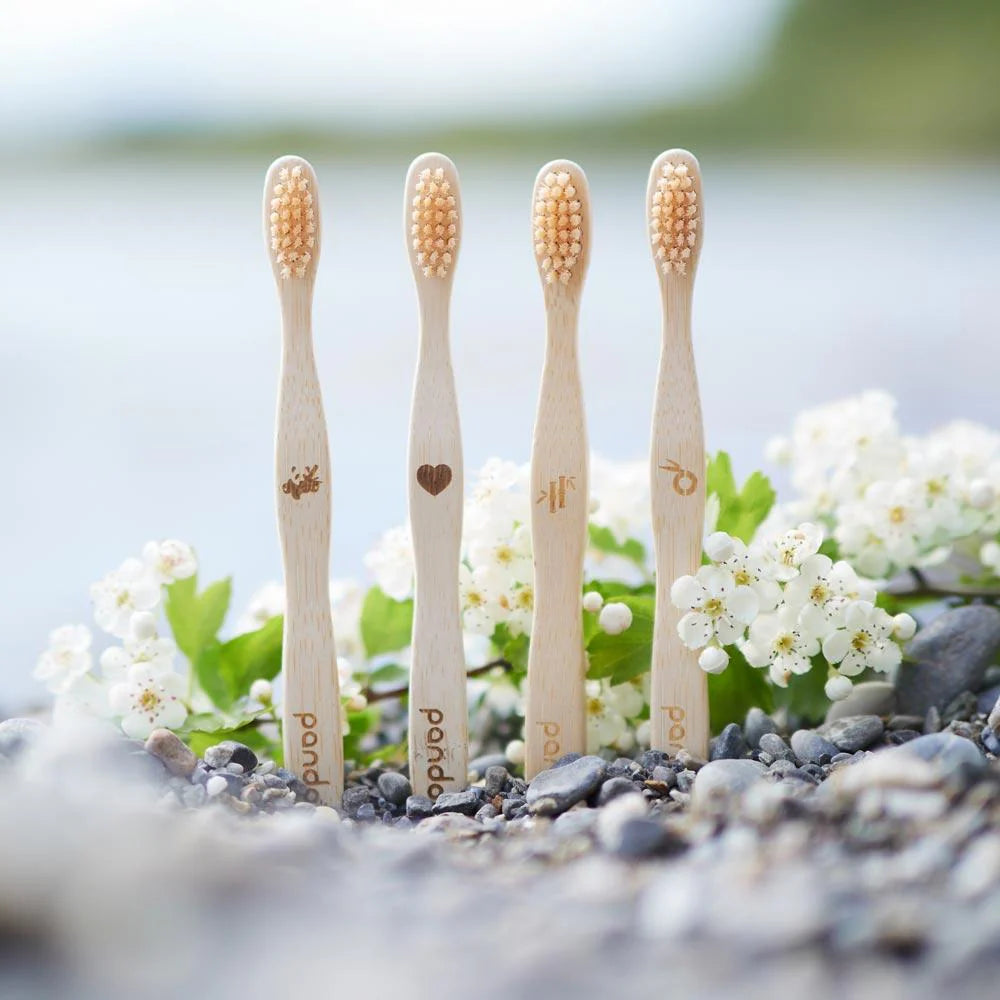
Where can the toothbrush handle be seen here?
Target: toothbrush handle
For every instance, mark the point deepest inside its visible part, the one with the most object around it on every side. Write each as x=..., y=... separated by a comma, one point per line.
x=555, y=716
x=438, y=712
x=313, y=739
x=679, y=688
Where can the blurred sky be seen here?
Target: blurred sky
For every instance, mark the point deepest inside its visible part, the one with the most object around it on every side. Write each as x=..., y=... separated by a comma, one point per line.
x=68, y=67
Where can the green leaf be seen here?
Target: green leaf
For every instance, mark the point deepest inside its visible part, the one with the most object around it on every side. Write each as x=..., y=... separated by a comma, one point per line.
x=195, y=619
x=361, y=724
x=603, y=540
x=805, y=697
x=252, y=656
x=738, y=688
x=388, y=673
x=386, y=624
x=621, y=657
x=740, y=511
x=513, y=648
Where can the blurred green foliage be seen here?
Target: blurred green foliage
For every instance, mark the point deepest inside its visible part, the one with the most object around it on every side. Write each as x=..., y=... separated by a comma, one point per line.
x=879, y=77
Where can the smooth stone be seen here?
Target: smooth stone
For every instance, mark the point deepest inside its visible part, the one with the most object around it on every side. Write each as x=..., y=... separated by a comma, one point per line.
x=866, y=698
x=808, y=745
x=565, y=785
x=855, y=732
x=170, y=749
x=952, y=754
x=905, y=722
x=949, y=656
x=454, y=825
x=775, y=746
x=756, y=724
x=16, y=735
x=986, y=700
x=729, y=744
x=497, y=777
x=231, y=752
x=467, y=802
x=365, y=813
x=724, y=779
x=419, y=807
x=480, y=765
x=614, y=787
x=643, y=838
x=575, y=823
x=395, y=788
x=567, y=758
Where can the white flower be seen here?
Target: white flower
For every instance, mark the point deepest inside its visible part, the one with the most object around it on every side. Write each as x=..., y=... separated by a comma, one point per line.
x=822, y=590
x=157, y=654
x=713, y=507
x=170, y=560
x=838, y=687
x=717, y=608
x=620, y=491
x=779, y=642
x=85, y=696
x=391, y=563
x=478, y=597
x=508, y=555
x=981, y=493
x=592, y=602
x=719, y=546
x=750, y=570
x=904, y=626
x=518, y=605
x=790, y=550
x=625, y=699
x=615, y=618
x=262, y=691
x=713, y=659
x=865, y=640
x=989, y=556
x=148, y=700
x=120, y=594
x=604, y=724
x=66, y=659
x=267, y=603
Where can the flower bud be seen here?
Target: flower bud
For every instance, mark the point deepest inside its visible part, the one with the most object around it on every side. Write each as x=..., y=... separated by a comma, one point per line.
x=615, y=618
x=719, y=546
x=904, y=626
x=713, y=660
x=838, y=687
x=262, y=691
x=592, y=602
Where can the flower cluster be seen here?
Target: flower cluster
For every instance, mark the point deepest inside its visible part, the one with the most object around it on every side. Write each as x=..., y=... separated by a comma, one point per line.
x=892, y=502
x=782, y=604
x=138, y=684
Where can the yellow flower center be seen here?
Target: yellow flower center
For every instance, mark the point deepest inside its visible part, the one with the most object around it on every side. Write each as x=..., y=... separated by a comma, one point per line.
x=897, y=514
x=595, y=706
x=742, y=578
x=524, y=598
x=785, y=643
x=713, y=607
x=149, y=700
x=474, y=599
x=504, y=555
x=819, y=593
x=861, y=641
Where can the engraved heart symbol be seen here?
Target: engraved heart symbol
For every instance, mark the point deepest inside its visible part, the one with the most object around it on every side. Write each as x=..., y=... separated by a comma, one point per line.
x=434, y=478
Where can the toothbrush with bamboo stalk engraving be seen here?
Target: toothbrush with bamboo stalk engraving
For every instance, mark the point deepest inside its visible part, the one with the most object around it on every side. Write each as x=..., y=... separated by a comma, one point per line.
x=679, y=688
x=555, y=716
x=312, y=733
x=438, y=713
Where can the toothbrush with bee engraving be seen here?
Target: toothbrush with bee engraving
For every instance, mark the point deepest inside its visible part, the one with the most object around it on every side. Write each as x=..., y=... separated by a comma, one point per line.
x=555, y=716
x=313, y=740
x=679, y=688
x=438, y=713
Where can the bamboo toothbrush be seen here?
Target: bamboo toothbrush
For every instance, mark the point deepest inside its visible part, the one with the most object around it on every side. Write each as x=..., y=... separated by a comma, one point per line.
x=438, y=708
x=312, y=728
x=555, y=718
x=679, y=691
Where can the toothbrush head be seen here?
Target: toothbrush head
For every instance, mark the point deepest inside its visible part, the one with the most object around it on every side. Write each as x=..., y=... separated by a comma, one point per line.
x=433, y=213
x=560, y=210
x=291, y=218
x=674, y=212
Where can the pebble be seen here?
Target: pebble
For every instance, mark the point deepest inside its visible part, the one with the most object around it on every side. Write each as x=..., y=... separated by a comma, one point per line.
x=643, y=838
x=866, y=698
x=775, y=746
x=172, y=751
x=355, y=796
x=230, y=752
x=467, y=802
x=614, y=787
x=215, y=785
x=555, y=790
x=952, y=754
x=730, y=744
x=480, y=765
x=809, y=745
x=947, y=657
x=16, y=735
x=721, y=780
x=497, y=777
x=394, y=787
x=756, y=724
x=855, y=732
x=418, y=807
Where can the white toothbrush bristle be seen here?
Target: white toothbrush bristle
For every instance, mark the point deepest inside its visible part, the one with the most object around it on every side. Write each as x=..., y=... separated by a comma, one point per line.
x=673, y=218
x=558, y=226
x=434, y=223
x=293, y=223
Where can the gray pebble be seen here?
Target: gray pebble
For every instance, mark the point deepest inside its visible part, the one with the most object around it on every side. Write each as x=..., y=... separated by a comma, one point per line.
x=730, y=744
x=755, y=725
x=565, y=785
x=354, y=797
x=775, y=746
x=365, y=813
x=215, y=785
x=953, y=754
x=467, y=802
x=724, y=779
x=480, y=765
x=419, y=807
x=947, y=657
x=855, y=732
x=394, y=787
x=808, y=745
x=229, y=751
x=487, y=811
x=497, y=777
x=643, y=838
x=866, y=698
x=614, y=787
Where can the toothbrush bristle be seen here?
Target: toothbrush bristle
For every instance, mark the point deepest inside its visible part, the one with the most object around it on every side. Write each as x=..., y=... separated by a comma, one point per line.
x=673, y=218
x=558, y=227
x=293, y=223
x=434, y=223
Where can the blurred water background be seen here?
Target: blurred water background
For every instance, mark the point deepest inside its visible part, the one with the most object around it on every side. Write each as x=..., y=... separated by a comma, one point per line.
x=851, y=194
